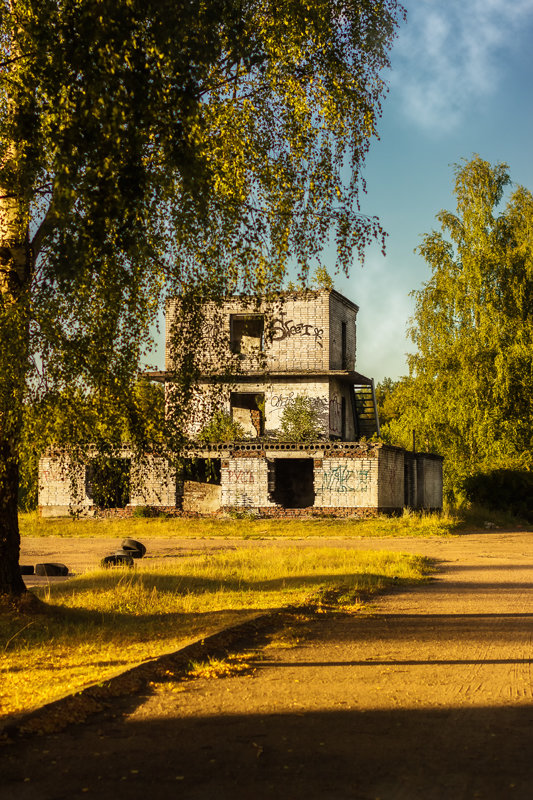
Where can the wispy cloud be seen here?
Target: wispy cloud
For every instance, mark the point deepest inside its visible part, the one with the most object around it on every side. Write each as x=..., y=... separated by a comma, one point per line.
x=449, y=54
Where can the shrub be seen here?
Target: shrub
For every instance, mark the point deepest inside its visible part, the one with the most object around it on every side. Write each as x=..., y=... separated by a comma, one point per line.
x=508, y=490
x=221, y=428
x=301, y=420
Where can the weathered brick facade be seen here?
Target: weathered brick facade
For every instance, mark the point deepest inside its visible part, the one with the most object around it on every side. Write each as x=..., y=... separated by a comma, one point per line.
x=260, y=358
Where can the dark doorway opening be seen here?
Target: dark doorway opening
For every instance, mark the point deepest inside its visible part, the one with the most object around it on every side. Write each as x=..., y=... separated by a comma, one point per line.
x=108, y=482
x=291, y=482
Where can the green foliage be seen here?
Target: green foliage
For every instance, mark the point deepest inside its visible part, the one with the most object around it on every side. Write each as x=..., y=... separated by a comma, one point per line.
x=221, y=428
x=502, y=490
x=300, y=421
x=102, y=419
x=149, y=150
x=322, y=279
x=469, y=395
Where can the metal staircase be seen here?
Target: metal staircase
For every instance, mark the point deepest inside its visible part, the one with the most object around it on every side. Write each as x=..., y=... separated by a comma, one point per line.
x=365, y=411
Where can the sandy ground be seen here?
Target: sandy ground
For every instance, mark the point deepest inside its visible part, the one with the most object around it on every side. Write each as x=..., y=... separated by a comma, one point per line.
x=429, y=695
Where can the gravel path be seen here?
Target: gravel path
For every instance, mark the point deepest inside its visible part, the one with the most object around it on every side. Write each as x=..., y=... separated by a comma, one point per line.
x=427, y=696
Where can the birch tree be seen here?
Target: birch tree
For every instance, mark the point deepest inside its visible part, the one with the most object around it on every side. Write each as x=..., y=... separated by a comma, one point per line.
x=147, y=146
x=469, y=395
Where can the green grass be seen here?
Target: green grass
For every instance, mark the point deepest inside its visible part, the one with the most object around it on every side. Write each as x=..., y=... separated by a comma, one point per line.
x=105, y=621
x=408, y=524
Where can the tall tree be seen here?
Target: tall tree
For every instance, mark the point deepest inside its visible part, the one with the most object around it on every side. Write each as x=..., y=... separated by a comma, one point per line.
x=147, y=145
x=470, y=391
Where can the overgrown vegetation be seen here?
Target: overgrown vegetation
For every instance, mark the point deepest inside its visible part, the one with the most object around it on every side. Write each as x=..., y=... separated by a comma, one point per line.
x=102, y=622
x=469, y=394
x=149, y=151
x=300, y=421
x=221, y=428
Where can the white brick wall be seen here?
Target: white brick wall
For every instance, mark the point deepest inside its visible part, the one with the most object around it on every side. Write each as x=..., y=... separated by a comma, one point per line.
x=62, y=484
x=346, y=483
x=297, y=329
x=245, y=482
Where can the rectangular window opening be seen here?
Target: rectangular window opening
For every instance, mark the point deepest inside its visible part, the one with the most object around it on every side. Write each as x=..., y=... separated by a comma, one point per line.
x=202, y=470
x=247, y=333
x=344, y=346
x=248, y=410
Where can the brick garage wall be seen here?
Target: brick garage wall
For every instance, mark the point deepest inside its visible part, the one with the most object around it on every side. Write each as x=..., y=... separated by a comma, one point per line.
x=429, y=481
x=244, y=482
x=390, y=478
x=346, y=483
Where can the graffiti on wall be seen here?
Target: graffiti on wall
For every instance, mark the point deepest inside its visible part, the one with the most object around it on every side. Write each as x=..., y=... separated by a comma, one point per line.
x=285, y=328
x=341, y=479
x=240, y=476
x=320, y=404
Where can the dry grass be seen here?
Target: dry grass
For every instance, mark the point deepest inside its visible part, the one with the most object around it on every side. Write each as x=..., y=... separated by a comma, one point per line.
x=408, y=524
x=105, y=621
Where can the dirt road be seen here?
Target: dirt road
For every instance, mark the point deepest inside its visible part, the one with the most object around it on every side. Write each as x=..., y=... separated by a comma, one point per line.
x=429, y=696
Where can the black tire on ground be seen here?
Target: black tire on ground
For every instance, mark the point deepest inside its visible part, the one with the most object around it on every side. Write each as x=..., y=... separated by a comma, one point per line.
x=117, y=560
x=51, y=569
x=26, y=569
x=137, y=549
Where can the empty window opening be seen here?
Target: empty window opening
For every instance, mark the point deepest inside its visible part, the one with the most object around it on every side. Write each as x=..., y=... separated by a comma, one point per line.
x=247, y=333
x=343, y=418
x=248, y=410
x=291, y=482
x=202, y=470
x=344, y=346
x=108, y=482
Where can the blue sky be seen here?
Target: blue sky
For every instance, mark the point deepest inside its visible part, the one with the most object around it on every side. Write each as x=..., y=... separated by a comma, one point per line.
x=460, y=83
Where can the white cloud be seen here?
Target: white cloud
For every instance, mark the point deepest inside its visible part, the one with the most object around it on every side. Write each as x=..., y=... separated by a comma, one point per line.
x=447, y=55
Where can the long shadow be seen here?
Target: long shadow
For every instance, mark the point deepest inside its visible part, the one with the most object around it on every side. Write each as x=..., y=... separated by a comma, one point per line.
x=449, y=754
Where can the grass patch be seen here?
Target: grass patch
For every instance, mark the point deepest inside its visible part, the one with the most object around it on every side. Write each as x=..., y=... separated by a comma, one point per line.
x=104, y=621
x=409, y=524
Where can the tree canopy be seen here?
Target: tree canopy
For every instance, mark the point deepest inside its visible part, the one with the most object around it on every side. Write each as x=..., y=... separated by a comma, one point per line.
x=150, y=147
x=469, y=395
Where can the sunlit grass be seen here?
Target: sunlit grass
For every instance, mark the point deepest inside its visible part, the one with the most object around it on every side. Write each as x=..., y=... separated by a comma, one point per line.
x=104, y=621
x=408, y=524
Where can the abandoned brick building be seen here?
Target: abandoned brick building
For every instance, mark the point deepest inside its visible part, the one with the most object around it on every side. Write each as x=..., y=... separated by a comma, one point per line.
x=302, y=346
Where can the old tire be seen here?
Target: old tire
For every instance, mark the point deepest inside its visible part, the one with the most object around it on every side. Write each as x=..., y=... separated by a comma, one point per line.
x=26, y=569
x=120, y=559
x=136, y=549
x=51, y=570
